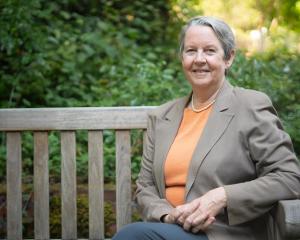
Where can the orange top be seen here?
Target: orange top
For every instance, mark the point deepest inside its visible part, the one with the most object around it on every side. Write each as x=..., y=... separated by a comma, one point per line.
x=180, y=154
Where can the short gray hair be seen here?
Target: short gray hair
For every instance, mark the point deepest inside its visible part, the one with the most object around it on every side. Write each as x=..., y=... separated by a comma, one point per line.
x=221, y=29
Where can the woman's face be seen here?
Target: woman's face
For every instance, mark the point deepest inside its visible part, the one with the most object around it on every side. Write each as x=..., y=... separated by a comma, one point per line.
x=203, y=58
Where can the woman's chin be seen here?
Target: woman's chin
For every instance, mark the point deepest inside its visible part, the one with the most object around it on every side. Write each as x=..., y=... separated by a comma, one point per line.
x=201, y=83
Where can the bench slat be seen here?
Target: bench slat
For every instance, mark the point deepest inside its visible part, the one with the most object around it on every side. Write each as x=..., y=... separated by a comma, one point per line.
x=87, y=118
x=68, y=185
x=123, y=178
x=96, y=189
x=14, y=186
x=41, y=185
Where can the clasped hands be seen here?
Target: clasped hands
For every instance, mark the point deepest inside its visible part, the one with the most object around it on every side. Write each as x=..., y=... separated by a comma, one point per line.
x=200, y=213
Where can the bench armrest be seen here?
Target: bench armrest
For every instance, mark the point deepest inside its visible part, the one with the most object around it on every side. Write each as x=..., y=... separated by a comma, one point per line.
x=287, y=217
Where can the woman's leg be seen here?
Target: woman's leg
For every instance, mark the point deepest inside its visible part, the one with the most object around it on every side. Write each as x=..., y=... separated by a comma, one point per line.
x=156, y=231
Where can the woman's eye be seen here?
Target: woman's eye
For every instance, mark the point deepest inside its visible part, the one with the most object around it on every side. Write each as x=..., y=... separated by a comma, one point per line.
x=211, y=50
x=190, y=51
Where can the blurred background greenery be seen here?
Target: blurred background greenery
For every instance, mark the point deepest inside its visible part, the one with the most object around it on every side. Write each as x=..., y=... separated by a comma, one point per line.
x=71, y=53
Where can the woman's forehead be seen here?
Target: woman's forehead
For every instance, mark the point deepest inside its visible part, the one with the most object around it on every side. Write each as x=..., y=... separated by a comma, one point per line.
x=199, y=34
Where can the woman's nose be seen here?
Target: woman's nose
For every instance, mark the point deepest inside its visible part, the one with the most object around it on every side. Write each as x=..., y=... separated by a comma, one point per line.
x=199, y=57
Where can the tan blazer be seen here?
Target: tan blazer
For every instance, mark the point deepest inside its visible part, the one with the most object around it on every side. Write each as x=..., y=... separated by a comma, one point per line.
x=243, y=148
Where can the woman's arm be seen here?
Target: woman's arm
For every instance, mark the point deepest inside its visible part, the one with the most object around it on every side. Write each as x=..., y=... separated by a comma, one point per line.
x=276, y=164
x=151, y=204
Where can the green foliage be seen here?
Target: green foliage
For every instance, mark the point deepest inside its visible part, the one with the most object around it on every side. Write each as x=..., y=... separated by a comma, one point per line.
x=116, y=53
x=54, y=162
x=46, y=47
x=288, y=11
x=72, y=53
x=21, y=53
x=82, y=217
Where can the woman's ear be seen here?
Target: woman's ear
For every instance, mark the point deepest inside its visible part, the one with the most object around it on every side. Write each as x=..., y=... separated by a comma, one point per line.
x=230, y=60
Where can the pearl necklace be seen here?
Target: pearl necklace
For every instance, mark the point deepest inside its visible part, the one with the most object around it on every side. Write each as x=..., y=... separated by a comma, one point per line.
x=201, y=109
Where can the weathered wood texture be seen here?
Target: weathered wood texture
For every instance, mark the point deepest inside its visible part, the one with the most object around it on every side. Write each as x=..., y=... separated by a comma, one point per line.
x=68, y=120
x=73, y=118
x=41, y=186
x=96, y=188
x=14, y=187
x=123, y=178
x=68, y=185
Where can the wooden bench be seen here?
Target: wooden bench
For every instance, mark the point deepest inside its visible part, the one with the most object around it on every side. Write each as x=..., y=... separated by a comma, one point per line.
x=68, y=120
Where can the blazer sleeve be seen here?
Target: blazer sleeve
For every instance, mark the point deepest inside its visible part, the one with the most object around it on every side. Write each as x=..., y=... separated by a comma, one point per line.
x=150, y=203
x=277, y=167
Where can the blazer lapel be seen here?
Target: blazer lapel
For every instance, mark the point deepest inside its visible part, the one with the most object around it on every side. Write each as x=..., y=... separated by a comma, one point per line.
x=165, y=133
x=216, y=125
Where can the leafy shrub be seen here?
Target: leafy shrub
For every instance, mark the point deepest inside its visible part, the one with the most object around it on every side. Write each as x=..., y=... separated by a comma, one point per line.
x=112, y=53
x=82, y=217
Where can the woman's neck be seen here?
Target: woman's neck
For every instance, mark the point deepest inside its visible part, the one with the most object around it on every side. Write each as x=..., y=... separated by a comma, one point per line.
x=203, y=97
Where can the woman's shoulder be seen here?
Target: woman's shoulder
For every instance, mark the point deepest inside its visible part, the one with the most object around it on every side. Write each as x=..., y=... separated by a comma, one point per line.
x=251, y=97
x=252, y=104
x=163, y=109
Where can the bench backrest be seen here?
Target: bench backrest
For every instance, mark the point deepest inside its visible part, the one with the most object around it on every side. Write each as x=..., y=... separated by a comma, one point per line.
x=67, y=121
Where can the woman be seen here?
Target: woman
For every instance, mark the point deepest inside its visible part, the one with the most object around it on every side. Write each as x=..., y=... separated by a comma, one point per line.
x=216, y=161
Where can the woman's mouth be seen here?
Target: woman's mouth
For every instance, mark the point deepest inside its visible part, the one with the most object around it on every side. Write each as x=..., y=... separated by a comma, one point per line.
x=200, y=70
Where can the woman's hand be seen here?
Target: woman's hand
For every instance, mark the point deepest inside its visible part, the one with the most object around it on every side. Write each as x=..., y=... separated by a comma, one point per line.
x=200, y=213
x=179, y=211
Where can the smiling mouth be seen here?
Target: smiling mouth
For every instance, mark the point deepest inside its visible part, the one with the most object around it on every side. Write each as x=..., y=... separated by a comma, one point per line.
x=200, y=71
